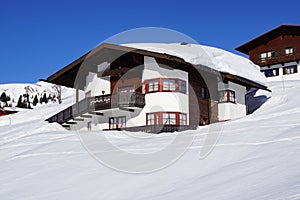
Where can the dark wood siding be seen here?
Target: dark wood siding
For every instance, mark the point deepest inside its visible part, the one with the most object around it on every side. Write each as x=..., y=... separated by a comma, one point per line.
x=278, y=45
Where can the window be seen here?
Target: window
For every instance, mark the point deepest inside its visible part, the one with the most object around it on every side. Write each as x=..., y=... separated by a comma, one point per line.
x=182, y=119
x=153, y=85
x=126, y=89
x=227, y=96
x=117, y=122
x=263, y=55
x=289, y=50
x=165, y=85
x=271, y=72
x=231, y=96
x=151, y=119
x=166, y=118
x=169, y=118
x=290, y=70
x=269, y=54
x=182, y=86
x=168, y=85
x=223, y=96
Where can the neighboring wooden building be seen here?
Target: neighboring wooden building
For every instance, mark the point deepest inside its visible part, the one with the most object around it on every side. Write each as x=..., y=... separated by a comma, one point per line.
x=122, y=87
x=277, y=52
x=4, y=112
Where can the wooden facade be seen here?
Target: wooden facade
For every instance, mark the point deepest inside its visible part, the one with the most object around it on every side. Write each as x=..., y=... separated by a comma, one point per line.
x=274, y=43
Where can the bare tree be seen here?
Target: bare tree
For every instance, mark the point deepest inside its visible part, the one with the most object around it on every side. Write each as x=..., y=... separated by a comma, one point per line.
x=57, y=89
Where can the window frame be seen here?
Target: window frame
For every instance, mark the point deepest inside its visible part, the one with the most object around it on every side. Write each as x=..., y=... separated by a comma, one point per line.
x=116, y=124
x=173, y=118
x=228, y=96
x=271, y=71
x=263, y=56
x=289, y=51
x=182, y=119
x=182, y=86
x=166, y=85
x=286, y=70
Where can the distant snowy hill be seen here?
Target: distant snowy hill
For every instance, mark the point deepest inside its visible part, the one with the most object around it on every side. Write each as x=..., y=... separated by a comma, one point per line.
x=256, y=157
x=14, y=91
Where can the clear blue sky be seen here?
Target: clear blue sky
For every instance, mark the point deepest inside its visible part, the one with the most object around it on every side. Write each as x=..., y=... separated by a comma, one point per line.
x=40, y=37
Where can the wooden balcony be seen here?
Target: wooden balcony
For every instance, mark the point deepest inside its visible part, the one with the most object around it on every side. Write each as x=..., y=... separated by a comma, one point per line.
x=103, y=102
x=277, y=59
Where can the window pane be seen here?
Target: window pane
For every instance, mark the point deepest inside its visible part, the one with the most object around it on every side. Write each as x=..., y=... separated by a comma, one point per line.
x=169, y=85
x=172, y=121
x=223, y=96
x=182, y=86
x=231, y=96
x=165, y=85
x=153, y=85
x=150, y=119
x=172, y=85
x=290, y=70
x=182, y=119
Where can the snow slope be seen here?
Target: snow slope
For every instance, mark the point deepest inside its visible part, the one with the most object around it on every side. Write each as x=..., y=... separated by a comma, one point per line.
x=215, y=58
x=256, y=157
x=38, y=89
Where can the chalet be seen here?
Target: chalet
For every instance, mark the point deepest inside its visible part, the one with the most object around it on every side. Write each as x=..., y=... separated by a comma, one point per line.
x=155, y=87
x=277, y=52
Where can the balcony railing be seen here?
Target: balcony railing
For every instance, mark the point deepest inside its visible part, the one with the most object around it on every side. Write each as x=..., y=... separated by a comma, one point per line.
x=97, y=103
x=277, y=59
x=160, y=128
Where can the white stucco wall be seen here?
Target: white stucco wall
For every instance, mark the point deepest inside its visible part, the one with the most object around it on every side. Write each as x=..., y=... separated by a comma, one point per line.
x=295, y=76
x=228, y=110
x=164, y=101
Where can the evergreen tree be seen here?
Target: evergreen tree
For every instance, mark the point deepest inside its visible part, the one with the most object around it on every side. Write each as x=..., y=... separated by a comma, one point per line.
x=20, y=102
x=3, y=97
x=44, y=99
x=35, y=101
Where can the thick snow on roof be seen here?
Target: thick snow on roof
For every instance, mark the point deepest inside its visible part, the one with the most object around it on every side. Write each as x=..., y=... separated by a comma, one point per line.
x=215, y=58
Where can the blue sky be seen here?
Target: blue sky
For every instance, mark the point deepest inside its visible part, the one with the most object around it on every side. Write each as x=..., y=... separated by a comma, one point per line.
x=40, y=37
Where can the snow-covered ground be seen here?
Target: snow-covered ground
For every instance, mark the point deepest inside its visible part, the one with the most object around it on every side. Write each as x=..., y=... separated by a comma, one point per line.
x=256, y=157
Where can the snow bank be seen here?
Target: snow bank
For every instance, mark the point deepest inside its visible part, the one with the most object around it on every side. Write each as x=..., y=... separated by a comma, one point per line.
x=256, y=157
x=215, y=58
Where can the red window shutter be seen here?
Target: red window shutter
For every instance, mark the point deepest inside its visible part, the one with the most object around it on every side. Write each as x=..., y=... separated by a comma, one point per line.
x=147, y=119
x=146, y=87
x=228, y=95
x=177, y=118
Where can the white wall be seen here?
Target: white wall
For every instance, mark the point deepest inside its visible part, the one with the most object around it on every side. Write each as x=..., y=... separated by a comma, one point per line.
x=235, y=110
x=164, y=101
x=281, y=77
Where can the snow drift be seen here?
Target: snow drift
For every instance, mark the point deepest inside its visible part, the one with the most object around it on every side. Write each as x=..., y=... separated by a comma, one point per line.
x=256, y=157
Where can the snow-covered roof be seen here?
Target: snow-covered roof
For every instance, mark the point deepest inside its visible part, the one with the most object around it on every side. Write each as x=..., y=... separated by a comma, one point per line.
x=212, y=57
